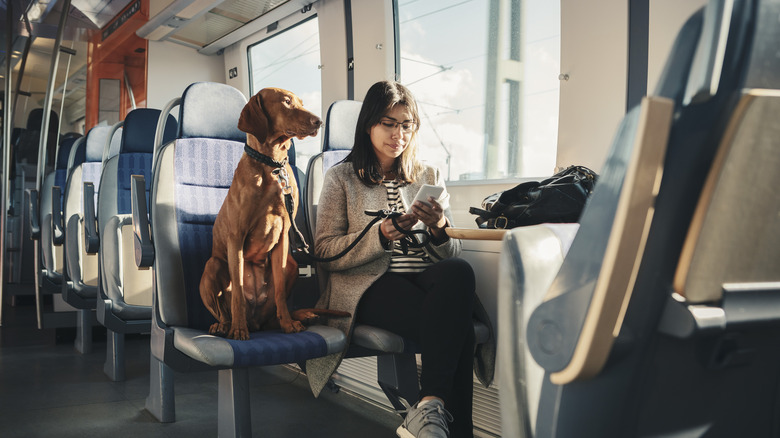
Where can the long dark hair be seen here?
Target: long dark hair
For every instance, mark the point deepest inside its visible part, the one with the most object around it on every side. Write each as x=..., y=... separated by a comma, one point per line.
x=379, y=100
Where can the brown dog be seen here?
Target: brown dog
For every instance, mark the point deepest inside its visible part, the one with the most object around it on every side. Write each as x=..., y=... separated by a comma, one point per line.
x=249, y=276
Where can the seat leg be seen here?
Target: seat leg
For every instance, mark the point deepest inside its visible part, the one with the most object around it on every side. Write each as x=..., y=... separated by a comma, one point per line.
x=397, y=376
x=83, y=341
x=233, y=411
x=161, y=401
x=115, y=356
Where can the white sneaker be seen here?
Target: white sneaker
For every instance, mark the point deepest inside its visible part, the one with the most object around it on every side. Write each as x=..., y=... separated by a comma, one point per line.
x=426, y=419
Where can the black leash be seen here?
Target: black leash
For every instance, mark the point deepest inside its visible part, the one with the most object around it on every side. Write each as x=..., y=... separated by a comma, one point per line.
x=409, y=241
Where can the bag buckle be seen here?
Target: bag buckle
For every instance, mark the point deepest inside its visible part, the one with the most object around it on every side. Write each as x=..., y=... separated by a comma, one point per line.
x=501, y=222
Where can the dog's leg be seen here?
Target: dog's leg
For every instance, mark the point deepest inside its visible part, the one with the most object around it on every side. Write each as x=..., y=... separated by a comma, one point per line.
x=238, y=327
x=213, y=291
x=282, y=264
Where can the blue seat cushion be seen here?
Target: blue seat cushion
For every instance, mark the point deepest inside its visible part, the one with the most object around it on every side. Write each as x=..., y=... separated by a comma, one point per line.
x=262, y=348
x=203, y=173
x=128, y=164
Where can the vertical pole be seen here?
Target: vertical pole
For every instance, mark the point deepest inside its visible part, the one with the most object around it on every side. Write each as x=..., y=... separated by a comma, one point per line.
x=70, y=53
x=504, y=89
x=350, y=53
x=129, y=92
x=55, y=59
x=492, y=94
x=8, y=121
x=638, y=37
x=27, y=46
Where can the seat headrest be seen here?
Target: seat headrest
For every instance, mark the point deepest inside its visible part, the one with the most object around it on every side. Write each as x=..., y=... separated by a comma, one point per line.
x=78, y=153
x=211, y=110
x=35, y=120
x=97, y=138
x=340, y=125
x=139, y=130
x=291, y=153
x=116, y=142
x=674, y=77
x=64, y=152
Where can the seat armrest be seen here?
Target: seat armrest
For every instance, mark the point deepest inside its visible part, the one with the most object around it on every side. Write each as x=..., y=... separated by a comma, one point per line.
x=91, y=237
x=35, y=218
x=142, y=242
x=58, y=227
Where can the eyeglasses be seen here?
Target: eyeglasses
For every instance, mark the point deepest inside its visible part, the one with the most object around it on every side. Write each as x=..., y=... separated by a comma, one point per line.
x=391, y=125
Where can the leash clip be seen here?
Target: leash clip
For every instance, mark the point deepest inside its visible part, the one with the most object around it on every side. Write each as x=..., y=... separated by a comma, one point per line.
x=284, y=179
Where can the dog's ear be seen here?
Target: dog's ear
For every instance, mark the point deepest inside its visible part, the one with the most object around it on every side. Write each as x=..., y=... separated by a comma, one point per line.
x=253, y=118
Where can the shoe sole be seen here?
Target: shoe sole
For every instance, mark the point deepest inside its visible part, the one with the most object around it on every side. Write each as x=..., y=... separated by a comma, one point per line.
x=403, y=432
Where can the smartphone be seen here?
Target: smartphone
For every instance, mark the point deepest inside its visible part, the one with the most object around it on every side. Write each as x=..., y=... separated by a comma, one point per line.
x=428, y=190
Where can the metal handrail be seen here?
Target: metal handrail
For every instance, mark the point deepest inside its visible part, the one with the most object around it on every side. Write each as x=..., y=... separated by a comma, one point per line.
x=7, y=122
x=55, y=59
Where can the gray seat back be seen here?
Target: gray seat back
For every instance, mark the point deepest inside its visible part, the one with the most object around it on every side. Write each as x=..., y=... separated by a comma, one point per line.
x=127, y=287
x=651, y=367
x=337, y=141
x=51, y=255
x=80, y=266
x=190, y=181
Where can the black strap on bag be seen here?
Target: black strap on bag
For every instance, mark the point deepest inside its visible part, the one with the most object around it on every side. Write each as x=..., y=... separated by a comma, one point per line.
x=559, y=198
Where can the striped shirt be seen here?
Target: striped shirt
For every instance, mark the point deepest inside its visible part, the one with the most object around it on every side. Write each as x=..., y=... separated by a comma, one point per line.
x=415, y=260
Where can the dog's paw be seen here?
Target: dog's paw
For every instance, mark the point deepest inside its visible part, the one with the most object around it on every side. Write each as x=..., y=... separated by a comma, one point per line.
x=293, y=327
x=218, y=329
x=239, y=334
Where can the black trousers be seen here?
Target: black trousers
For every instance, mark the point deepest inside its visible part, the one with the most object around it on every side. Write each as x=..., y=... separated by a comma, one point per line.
x=434, y=308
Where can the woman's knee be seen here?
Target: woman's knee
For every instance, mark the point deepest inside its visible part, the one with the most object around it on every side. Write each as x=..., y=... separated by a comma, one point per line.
x=459, y=271
x=455, y=275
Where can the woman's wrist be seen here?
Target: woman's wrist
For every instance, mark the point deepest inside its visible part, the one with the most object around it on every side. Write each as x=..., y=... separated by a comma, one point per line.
x=441, y=225
x=438, y=234
x=384, y=241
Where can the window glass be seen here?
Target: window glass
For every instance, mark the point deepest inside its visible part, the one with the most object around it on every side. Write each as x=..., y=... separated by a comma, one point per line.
x=487, y=87
x=290, y=60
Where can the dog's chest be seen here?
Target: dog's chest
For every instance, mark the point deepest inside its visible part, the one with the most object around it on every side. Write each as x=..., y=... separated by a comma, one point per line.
x=263, y=238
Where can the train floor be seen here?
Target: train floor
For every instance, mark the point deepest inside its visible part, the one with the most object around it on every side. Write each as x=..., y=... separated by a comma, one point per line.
x=48, y=389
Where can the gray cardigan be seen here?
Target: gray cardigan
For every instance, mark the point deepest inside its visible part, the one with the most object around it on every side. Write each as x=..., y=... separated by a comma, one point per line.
x=347, y=278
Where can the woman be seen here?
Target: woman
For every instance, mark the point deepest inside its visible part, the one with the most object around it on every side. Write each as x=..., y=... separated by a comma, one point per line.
x=424, y=294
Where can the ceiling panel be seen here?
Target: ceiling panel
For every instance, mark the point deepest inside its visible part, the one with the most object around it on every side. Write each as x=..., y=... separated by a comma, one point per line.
x=221, y=20
x=100, y=12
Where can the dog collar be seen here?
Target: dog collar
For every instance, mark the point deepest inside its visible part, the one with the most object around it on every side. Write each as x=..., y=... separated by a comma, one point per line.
x=265, y=159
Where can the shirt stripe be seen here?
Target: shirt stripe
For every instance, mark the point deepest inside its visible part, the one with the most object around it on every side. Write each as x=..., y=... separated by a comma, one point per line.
x=415, y=260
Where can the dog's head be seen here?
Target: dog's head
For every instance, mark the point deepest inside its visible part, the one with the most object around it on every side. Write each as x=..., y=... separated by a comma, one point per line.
x=274, y=116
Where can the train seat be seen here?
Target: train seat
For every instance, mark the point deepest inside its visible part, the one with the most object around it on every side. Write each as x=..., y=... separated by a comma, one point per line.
x=666, y=299
x=396, y=359
x=69, y=153
x=79, y=286
x=190, y=180
x=25, y=152
x=124, y=303
x=22, y=179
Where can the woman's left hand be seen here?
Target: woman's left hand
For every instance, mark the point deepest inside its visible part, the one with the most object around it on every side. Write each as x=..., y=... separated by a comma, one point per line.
x=431, y=214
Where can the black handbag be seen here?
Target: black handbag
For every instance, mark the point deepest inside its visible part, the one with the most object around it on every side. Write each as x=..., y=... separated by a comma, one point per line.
x=559, y=198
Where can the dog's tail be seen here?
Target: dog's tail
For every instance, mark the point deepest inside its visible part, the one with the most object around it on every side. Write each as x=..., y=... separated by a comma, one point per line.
x=327, y=312
x=308, y=316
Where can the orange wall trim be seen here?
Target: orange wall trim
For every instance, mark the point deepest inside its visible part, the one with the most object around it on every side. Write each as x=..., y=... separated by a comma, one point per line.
x=122, y=54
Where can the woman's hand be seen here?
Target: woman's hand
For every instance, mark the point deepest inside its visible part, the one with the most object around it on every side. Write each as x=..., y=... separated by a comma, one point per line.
x=431, y=215
x=405, y=221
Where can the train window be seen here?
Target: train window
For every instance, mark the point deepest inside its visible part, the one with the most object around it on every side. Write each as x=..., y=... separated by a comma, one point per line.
x=108, y=101
x=485, y=73
x=290, y=59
